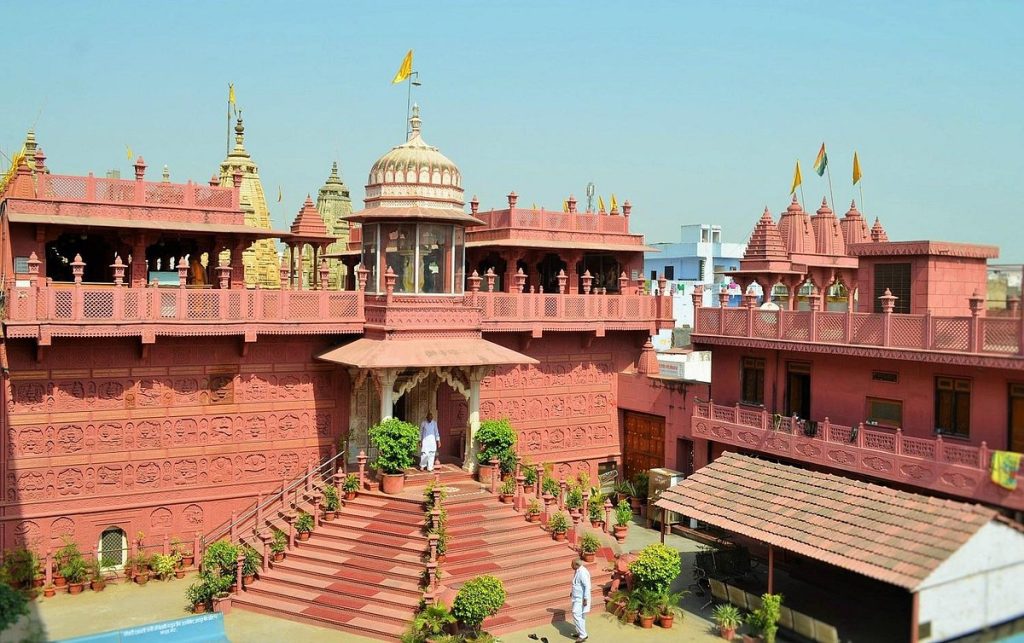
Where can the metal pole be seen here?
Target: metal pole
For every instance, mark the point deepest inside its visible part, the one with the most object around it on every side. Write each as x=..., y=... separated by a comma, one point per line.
x=771, y=567
x=227, y=142
x=828, y=170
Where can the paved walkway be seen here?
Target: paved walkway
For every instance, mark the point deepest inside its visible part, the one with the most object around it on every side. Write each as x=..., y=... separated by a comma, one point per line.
x=125, y=605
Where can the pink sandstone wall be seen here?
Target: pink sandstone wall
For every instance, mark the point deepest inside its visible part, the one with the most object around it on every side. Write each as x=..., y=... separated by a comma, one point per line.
x=98, y=435
x=565, y=408
x=839, y=388
x=940, y=284
x=672, y=401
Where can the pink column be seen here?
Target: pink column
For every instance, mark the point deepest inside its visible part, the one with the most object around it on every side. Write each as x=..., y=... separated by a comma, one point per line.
x=607, y=515
x=495, y=469
x=361, y=459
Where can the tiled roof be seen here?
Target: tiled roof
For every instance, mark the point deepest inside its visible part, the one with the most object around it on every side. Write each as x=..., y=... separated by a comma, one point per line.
x=889, y=535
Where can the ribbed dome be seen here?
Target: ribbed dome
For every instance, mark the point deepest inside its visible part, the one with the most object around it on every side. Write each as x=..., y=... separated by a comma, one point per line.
x=855, y=229
x=795, y=229
x=828, y=237
x=415, y=163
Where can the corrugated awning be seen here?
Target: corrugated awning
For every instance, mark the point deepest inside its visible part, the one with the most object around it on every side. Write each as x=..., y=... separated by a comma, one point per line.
x=420, y=353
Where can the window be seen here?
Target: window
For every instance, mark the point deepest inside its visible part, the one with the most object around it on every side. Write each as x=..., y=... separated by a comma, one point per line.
x=885, y=412
x=670, y=272
x=895, y=277
x=700, y=269
x=885, y=376
x=953, y=406
x=753, y=381
x=21, y=264
x=654, y=275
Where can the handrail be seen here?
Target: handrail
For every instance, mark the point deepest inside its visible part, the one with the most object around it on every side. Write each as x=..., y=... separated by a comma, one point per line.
x=226, y=528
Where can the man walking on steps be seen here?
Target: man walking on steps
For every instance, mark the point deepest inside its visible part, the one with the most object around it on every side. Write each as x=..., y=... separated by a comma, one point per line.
x=430, y=439
x=580, y=596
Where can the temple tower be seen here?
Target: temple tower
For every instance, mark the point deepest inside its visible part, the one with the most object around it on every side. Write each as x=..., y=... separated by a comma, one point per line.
x=334, y=204
x=261, y=262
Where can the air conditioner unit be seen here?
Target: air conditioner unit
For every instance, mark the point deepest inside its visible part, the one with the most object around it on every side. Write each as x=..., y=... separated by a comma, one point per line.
x=660, y=480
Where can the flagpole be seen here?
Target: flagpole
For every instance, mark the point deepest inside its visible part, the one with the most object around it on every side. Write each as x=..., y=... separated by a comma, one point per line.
x=227, y=140
x=831, y=196
x=408, y=104
x=860, y=184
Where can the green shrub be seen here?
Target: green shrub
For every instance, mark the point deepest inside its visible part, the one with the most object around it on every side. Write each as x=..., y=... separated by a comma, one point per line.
x=304, y=523
x=533, y=508
x=726, y=615
x=432, y=621
x=529, y=475
x=396, y=441
x=641, y=484
x=253, y=561
x=13, y=604
x=331, y=500
x=550, y=486
x=574, y=497
x=623, y=514
x=595, y=506
x=220, y=557
x=497, y=439
x=351, y=483
x=765, y=619
x=280, y=542
x=656, y=567
x=20, y=567
x=508, y=488
x=589, y=544
x=164, y=566
x=559, y=523
x=200, y=591
x=477, y=599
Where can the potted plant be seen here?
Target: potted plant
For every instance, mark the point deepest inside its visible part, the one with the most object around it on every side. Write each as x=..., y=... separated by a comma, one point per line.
x=728, y=618
x=558, y=524
x=49, y=591
x=139, y=567
x=75, y=571
x=20, y=568
x=443, y=539
x=350, y=486
x=303, y=525
x=641, y=483
x=595, y=510
x=396, y=441
x=533, y=511
x=589, y=544
x=163, y=566
x=624, y=491
x=221, y=558
x=477, y=599
x=507, y=491
x=198, y=595
x=550, y=489
x=574, y=498
x=668, y=608
x=331, y=502
x=765, y=619
x=278, y=545
x=431, y=622
x=529, y=476
x=250, y=564
x=655, y=568
x=497, y=439
x=183, y=552
x=648, y=606
x=623, y=516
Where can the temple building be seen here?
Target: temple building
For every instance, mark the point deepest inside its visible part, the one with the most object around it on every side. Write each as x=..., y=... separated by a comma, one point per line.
x=334, y=204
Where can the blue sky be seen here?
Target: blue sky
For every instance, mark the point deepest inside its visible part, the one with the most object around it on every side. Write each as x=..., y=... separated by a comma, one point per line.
x=694, y=112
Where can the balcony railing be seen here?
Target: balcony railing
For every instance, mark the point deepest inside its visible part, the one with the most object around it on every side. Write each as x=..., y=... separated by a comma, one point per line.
x=504, y=311
x=937, y=464
x=556, y=221
x=969, y=334
x=90, y=189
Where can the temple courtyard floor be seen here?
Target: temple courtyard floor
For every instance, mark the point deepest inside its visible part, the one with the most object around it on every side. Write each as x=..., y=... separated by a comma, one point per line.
x=128, y=605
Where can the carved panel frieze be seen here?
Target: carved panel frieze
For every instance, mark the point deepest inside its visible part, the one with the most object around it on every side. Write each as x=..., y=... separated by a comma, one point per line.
x=958, y=480
x=841, y=457
x=808, y=450
x=876, y=463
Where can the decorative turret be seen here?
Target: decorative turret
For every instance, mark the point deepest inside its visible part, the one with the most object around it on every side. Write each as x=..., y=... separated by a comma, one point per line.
x=878, y=232
x=308, y=223
x=795, y=229
x=765, y=242
x=647, y=363
x=828, y=237
x=855, y=229
x=30, y=149
x=334, y=204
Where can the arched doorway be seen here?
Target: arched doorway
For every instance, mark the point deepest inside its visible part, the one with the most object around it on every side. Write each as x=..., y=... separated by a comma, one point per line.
x=113, y=548
x=549, y=267
x=496, y=263
x=96, y=252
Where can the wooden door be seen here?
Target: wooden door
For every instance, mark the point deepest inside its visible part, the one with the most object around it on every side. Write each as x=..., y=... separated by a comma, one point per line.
x=1016, y=438
x=798, y=390
x=643, y=443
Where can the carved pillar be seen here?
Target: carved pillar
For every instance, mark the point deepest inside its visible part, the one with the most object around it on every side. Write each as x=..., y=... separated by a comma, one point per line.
x=387, y=377
x=238, y=266
x=476, y=375
x=361, y=459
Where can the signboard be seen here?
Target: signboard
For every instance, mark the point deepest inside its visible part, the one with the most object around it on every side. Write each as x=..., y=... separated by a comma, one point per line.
x=194, y=629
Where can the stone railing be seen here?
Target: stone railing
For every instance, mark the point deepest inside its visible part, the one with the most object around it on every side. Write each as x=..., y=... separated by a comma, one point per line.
x=977, y=334
x=91, y=189
x=555, y=221
x=939, y=464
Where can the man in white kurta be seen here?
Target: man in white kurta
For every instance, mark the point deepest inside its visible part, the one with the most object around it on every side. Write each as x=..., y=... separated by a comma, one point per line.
x=580, y=596
x=430, y=439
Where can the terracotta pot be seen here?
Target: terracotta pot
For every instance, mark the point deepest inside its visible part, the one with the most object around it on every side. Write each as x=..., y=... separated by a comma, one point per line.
x=596, y=524
x=392, y=483
x=727, y=633
x=249, y=580
x=506, y=499
x=49, y=592
x=619, y=497
x=588, y=558
x=634, y=504
x=620, y=533
x=233, y=588
x=350, y=495
x=222, y=605
x=532, y=517
x=302, y=535
x=558, y=535
x=59, y=581
x=279, y=556
x=179, y=573
x=330, y=515
x=199, y=608
x=142, y=578
x=647, y=622
x=630, y=617
x=483, y=473
x=75, y=588
x=186, y=561
x=38, y=581
x=665, y=620
x=98, y=585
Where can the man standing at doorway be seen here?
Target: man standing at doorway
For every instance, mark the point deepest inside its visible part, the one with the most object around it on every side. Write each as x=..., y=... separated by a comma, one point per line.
x=430, y=439
x=580, y=596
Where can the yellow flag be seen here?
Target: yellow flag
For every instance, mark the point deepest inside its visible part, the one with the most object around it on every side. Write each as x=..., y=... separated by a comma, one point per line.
x=279, y=194
x=405, y=70
x=565, y=205
x=797, y=179
x=231, y=93
x=128, y=149
x=856, y=169
x=600, y=203
x=615, y=204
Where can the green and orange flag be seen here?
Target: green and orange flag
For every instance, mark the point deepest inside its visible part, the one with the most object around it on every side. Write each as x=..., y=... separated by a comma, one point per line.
x=821, y=162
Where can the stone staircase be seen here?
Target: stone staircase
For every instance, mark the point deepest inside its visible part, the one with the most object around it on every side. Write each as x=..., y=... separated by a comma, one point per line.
x=363, y=571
